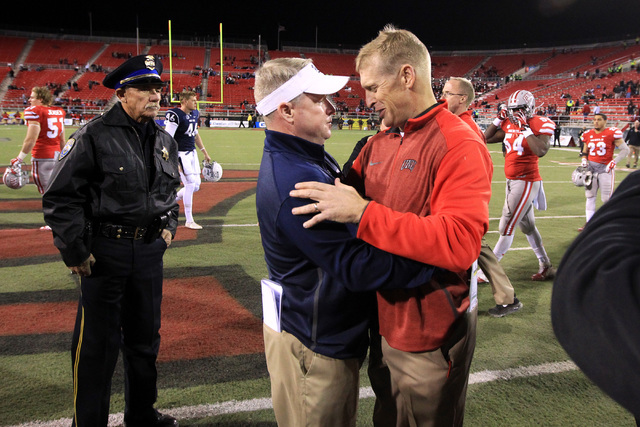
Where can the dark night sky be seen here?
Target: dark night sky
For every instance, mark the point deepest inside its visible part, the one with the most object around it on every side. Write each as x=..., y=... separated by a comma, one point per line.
x=441, y=25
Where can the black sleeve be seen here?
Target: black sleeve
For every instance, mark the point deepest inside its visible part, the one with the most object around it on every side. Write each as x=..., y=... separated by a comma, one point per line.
x=65, y=202
x=354, y=154
x=595, y=305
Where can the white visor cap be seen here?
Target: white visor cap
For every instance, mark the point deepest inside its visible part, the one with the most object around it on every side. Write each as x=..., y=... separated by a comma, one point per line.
x=307, y=80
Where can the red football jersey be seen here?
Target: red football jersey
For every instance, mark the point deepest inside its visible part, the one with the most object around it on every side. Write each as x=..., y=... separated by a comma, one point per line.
x=520, y=162
x=51, y=121
x=600, y=146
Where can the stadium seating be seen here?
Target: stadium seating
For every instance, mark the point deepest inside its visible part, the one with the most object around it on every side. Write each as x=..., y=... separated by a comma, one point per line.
x=62, y=52
x=10, y=48
x=549, y=74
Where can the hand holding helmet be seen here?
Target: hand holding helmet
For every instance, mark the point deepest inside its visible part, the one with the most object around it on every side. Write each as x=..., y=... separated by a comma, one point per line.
x=211, y=171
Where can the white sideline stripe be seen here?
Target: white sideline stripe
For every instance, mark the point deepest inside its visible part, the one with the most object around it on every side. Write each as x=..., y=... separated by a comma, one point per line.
x=235, y=406
x=542, y=217
x=490, y=219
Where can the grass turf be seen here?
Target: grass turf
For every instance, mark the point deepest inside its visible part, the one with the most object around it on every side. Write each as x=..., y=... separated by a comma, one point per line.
x=36, y=368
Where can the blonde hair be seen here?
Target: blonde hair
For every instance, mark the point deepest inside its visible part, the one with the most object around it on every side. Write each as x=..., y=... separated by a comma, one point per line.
x=274, y=73
x=467, y=88
x=186, y=95
x=43, y=94
x=395, y=47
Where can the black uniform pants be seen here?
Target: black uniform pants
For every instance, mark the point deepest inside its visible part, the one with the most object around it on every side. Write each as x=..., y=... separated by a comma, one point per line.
x=119, y=308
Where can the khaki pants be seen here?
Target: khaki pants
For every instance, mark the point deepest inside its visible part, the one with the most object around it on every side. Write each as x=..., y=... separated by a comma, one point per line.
x=501, y=286
x=307, y=388
x=431, y=386
x=633, y=154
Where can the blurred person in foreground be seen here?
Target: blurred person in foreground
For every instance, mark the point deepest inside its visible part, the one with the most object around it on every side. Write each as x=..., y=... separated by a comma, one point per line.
x=112, y=208
x=316, y=347
x=426, y=185
x=595, y=310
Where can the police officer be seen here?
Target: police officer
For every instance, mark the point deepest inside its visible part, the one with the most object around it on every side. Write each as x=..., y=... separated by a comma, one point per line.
x=112, y=209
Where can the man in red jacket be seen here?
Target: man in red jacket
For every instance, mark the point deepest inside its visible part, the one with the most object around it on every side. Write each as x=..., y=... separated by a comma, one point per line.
x=429, y=181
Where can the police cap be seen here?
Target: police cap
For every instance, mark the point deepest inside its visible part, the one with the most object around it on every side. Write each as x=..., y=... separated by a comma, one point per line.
x=141, y=69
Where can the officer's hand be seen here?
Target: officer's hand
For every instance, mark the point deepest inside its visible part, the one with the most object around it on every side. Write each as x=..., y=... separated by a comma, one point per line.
x=84, y=269
x=166, y=235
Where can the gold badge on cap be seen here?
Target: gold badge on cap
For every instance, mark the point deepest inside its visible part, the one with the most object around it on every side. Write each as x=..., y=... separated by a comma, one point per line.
x=165, y=153
x=150, y=62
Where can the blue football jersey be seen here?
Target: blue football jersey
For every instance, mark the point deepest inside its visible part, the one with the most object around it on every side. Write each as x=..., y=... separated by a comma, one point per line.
x=187, y=127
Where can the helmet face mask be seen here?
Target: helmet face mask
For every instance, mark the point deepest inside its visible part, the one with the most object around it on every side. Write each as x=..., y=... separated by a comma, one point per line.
x=15, y=178
x=582, y=177
x=211, y=171
x=521, y=100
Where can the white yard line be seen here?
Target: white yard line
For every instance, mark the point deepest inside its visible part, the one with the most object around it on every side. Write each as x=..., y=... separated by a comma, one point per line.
x=238, y=406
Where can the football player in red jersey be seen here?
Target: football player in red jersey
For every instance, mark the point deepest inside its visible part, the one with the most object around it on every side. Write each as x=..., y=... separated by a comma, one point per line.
x=597, y=154
x=459, y=94
x=526, y=138
x=45, y=136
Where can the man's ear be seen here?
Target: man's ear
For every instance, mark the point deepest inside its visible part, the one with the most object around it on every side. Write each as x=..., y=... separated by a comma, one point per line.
x=120, y=94
x=285, y=110
x=408, y=75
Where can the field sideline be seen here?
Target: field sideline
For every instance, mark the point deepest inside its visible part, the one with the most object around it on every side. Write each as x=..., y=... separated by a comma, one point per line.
x=211, y=368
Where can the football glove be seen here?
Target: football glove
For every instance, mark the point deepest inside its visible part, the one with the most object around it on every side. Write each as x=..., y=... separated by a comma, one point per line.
x=585, y=162
x=16, y=162
x=501, y=117
x=611, y=166
x=520, y=119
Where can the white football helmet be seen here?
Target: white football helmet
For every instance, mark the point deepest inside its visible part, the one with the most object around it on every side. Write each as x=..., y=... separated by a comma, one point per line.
x=15, y=177
x=582, y=177
x=212, y=171
x=522, y=100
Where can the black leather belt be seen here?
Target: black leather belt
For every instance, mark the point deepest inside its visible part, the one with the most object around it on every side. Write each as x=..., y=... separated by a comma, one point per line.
x=114, y=231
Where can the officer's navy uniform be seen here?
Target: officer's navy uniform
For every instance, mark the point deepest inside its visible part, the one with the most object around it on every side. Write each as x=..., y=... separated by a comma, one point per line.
x=111, y=194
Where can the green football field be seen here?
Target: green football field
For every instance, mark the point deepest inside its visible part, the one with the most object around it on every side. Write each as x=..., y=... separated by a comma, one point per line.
x=211, y=367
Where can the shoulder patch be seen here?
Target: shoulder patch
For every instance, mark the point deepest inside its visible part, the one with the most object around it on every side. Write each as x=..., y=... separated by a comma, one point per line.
x=67, y=148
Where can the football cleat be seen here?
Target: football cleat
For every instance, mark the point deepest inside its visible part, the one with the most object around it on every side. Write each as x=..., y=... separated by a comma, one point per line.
x=192, y=225
x=546, y=272
x=211, y=171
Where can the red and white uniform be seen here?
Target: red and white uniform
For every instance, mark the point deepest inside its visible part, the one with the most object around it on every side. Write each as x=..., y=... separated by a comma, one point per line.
x=49, y=143
x=51, y=121
x=600, y=146
x=520, y=162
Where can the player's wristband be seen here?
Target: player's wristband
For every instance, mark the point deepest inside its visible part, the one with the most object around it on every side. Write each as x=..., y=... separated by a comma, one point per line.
x=203, y=149
x=497, y=122
x=527, y=133
x=22, y=155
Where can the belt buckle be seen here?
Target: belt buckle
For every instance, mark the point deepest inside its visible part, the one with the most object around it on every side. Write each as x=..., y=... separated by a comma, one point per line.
x=139, y=233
